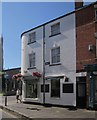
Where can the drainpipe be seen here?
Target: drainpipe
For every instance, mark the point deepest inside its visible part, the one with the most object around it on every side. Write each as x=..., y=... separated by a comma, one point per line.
x=44, y=64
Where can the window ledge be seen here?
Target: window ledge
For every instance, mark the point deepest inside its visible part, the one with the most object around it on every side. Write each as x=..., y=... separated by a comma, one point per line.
x=96, y=58
x=31, y=42
x=54, y=64
x=31, y=68
x=54, y=35
x=27, y=98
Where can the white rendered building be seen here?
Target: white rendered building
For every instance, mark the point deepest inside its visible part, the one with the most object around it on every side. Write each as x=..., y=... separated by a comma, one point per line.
x=49, y=62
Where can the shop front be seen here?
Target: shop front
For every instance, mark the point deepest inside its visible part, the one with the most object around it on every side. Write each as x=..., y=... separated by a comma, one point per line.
x=31, y=91
x=91, y=86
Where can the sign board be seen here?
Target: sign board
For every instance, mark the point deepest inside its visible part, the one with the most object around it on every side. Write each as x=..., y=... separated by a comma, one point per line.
x=95, y=72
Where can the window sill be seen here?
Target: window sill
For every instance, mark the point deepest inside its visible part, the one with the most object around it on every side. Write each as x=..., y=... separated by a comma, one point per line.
x=31, y=68
x=27, y=98
x=54, y=35
x=54, y=64
x=96, y=58
x=31, y=42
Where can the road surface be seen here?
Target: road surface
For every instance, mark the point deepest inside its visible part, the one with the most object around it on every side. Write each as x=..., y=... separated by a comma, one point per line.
x=4, y=114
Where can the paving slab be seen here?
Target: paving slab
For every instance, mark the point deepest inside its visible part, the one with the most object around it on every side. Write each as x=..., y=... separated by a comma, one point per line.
x=31, y=111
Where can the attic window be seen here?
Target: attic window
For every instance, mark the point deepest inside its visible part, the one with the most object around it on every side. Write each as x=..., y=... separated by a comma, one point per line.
x=55, y=29
x=32, y=37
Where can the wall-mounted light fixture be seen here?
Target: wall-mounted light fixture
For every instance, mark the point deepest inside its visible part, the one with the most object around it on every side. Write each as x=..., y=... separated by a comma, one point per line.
x=91, y=47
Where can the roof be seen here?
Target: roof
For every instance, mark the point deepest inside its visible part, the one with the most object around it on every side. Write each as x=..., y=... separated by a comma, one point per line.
x=59, y=17
x=46, y=23
x=12, y=69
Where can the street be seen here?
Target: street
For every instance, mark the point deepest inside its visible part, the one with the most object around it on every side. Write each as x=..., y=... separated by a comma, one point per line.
x=10, y=100
x=4, y=114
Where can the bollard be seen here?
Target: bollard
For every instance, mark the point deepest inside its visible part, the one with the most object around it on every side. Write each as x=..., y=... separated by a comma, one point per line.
x=5, y=100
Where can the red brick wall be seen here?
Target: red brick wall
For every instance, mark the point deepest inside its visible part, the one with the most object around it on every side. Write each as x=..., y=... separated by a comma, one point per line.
x=85, y=29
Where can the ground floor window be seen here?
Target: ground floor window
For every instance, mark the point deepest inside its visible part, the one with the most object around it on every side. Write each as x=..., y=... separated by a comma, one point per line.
x=55, y=87
x=46, y=88
x=68, y=88
x=31, y=89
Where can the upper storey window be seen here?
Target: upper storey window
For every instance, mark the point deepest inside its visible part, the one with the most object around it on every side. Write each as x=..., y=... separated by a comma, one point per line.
x=32, y=60
x=55, y=29
x=32, y=37
x=96, y=14
x=55, y=55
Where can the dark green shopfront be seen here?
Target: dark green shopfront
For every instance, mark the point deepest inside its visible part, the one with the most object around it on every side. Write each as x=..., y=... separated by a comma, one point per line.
x=91, y=86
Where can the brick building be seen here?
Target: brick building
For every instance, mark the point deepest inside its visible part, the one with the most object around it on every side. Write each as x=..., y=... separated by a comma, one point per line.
x=86, y=53
x=12, y=84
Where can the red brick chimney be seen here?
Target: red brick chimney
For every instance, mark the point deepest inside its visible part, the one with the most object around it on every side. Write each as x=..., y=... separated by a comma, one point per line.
x=78, y=4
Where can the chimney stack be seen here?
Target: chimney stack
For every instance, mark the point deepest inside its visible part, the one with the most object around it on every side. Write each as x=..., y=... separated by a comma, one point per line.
x=78, y=4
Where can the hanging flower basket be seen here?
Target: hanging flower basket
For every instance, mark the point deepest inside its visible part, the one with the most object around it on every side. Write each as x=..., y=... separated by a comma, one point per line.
x=17, y=76
x=37, y=74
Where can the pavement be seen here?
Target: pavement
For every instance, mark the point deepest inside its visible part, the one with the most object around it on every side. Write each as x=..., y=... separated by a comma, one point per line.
x=33, y=111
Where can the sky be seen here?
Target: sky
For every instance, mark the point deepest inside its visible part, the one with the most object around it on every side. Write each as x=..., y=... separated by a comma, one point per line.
x=18, y=17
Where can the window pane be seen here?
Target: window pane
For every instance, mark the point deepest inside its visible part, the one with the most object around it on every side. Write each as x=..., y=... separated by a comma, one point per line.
x=46, y=88
x=95, y=14
x=32, y=60
x=31, y=89
x=55, y=55
x=58, y=51
x=55, y=29
x=58, y=58
x=53, y=59
x=32, y=37
x=55, y=88
x=68, y=88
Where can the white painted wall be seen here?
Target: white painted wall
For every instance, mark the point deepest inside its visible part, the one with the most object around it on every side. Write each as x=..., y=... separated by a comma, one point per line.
x=67, y=42
x=36, y=47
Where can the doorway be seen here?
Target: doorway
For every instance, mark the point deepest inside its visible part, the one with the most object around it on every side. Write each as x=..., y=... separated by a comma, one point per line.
x=31, y=89
x=81, y=92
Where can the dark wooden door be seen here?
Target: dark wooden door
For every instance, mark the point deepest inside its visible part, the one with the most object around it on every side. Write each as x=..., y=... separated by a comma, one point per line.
x=81, y=92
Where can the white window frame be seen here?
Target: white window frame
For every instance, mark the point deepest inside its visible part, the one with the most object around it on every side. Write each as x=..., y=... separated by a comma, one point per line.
x=32, y=37
x=56, y=61
x=55, y=29
x=32, y=60
x=95, y=14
